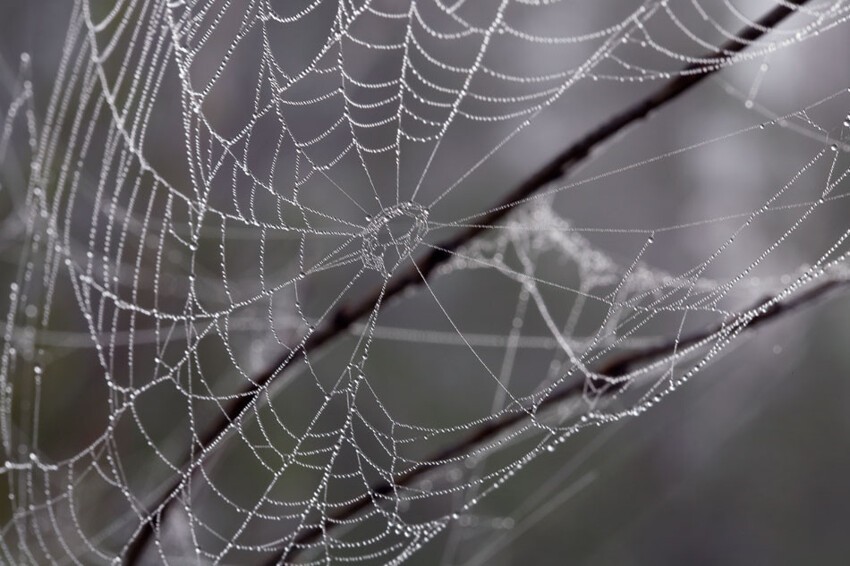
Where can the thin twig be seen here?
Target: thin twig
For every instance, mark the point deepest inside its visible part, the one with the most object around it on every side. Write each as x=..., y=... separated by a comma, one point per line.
x=340, y=321
x=758, y=315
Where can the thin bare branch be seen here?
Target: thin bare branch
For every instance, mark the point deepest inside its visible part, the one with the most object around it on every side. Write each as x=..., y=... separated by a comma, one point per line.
x=758, y=315
x=342, y=319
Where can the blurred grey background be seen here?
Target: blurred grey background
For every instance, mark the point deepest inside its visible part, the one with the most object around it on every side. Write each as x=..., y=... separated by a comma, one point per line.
x=747, y=463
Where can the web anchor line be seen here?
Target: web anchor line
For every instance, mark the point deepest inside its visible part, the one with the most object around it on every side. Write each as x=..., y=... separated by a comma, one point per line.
x=338, y=322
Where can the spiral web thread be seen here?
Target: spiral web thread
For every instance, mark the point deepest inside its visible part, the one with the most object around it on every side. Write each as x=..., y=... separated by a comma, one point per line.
x=209, y=181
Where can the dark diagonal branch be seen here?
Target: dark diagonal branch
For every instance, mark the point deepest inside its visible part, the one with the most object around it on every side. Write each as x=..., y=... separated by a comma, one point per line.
x=755, y=317
x=557, y=168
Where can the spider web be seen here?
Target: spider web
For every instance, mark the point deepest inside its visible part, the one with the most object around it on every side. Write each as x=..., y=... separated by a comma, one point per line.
x=210, y=181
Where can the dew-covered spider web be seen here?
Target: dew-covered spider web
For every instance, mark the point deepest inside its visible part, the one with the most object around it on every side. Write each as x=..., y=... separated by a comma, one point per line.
x=200, y=188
